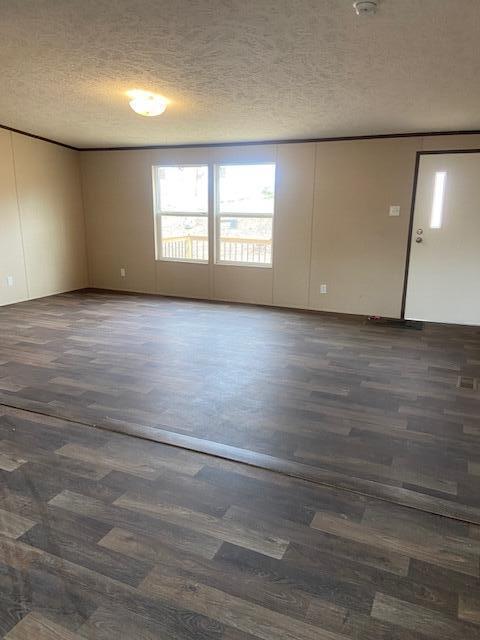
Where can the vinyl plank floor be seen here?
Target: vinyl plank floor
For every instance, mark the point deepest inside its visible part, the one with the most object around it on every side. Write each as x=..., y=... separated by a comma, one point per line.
x=119, y=555
x=35, y=625
x=385, y=407
x=421, y=620
x=275, y=528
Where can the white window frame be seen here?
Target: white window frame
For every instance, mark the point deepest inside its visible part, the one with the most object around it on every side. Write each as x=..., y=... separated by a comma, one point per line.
x=219, y=215
x=158, y=213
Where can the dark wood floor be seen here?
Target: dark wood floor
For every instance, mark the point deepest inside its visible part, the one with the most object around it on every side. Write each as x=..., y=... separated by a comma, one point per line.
x=388, y=412
x=108, y=537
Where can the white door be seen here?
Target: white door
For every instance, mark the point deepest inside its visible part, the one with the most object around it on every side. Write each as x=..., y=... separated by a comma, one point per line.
x=444, y=270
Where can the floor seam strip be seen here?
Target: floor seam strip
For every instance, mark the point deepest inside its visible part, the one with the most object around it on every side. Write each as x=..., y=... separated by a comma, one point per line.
x=169, y=438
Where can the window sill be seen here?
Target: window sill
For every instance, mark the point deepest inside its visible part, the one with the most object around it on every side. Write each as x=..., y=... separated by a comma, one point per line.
x=185, y=260
x=254, y=265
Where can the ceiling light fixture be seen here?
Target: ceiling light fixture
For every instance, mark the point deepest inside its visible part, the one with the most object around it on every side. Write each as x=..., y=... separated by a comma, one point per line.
x=365, y=7
x=146, y=103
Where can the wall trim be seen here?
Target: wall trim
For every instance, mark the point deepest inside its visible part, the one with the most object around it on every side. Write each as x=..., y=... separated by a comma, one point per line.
x=37, y=137
x=249, y=143
x=224, y=301
x=409, y=235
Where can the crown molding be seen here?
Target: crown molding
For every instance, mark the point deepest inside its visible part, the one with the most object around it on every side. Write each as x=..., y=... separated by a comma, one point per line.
x=374, y=136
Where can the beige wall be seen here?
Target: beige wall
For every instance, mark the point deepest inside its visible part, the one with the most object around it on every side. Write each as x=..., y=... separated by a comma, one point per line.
x=332, y=224
x=42, y=230
x=358, y=250
x=12, y=261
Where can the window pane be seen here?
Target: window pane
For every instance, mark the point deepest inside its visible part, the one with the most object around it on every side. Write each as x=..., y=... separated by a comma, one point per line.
x=246, y=188
x=182, y=189
x=246, y=240
x=184, y=237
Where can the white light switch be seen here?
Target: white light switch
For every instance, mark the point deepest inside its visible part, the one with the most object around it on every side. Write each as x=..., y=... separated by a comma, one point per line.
x=323, y=288
x=394, y=210
x=9, y=281
x=123, y=272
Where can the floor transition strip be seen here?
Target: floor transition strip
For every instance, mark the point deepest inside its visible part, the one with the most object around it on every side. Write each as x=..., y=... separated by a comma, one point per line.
x=315, y=475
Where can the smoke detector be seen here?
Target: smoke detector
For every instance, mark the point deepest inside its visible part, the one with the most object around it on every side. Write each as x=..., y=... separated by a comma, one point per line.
x=365, y=7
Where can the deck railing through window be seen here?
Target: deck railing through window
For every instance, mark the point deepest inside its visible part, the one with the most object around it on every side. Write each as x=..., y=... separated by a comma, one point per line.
x=185, y=248
x=246, y=250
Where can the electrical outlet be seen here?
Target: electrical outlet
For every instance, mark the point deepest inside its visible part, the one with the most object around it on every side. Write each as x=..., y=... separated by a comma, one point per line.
x=323, y=288
x=394, y=211
x=123, y=272
x=9, y=281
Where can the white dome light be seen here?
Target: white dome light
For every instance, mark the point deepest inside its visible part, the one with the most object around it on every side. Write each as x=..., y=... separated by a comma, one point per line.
x=146, y=103
x=365, y=7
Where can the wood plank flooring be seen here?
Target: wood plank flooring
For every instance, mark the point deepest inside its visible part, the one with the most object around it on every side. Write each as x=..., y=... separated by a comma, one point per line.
x=374, y=409
x=108, y=537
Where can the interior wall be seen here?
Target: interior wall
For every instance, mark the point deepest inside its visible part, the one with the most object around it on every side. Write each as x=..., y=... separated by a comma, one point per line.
x=12, y=262
x=331, y=223
x=358, y=249
x=117, y=191
x=42, y=225
x=331, y=226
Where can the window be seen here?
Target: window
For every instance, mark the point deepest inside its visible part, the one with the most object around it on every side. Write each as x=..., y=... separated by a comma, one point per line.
x=181, y=212
x=438, y=197
x=244, y=206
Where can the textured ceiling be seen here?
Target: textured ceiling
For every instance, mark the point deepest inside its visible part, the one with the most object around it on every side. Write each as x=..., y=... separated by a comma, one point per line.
x=237, y=70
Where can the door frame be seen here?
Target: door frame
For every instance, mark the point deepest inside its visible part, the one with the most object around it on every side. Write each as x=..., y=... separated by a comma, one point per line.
x=419, y=154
